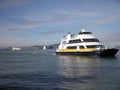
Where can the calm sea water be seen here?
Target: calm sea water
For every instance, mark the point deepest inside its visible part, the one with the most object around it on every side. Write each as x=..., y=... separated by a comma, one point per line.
x=42, y=70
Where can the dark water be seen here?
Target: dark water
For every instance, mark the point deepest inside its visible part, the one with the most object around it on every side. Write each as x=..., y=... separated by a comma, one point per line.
x=42, y=70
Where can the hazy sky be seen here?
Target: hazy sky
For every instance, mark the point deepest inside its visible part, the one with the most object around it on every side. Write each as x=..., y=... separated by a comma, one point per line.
x=35, y=22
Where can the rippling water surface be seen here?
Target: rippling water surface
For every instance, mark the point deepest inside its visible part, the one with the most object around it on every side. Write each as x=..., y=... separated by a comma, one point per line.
x=42, y=70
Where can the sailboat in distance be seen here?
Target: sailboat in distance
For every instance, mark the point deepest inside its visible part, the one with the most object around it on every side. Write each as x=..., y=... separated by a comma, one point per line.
x=44, y=47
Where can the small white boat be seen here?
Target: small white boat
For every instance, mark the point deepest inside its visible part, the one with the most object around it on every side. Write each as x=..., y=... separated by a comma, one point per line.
x=16, y=49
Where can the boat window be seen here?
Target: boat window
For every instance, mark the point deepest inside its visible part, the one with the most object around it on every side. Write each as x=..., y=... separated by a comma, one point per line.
x=85, y=33
x=91, y=40
x=81, y=47
x=102, y=46
x=72, y=47
x=95, y=46
x=75, y=41
x=64, y=42
x=91, y=46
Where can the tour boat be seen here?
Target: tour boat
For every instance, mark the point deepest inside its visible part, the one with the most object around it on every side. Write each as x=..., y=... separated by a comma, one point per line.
x=83, y=44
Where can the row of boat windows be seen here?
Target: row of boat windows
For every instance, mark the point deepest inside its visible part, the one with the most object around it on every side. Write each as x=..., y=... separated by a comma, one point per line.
x=91, y=40
x=75, y=41
x=85, y=33
x=75, y=47
x=82, y=47
x=84, y=40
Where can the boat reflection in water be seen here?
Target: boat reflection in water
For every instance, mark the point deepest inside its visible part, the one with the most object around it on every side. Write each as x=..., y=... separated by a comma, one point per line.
x=77, y=66
x=83, y=73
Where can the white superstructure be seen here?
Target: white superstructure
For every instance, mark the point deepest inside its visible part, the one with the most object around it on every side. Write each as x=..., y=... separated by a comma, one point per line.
x=84, y=40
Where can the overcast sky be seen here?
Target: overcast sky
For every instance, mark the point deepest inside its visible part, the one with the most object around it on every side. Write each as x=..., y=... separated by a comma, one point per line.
x=36, y=22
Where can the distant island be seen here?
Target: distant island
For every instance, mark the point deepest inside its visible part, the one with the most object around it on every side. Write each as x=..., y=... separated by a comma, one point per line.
x=39, y=47
x=35, y=47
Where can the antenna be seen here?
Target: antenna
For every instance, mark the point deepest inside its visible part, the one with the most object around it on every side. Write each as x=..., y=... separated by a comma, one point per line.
x=83, y=28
